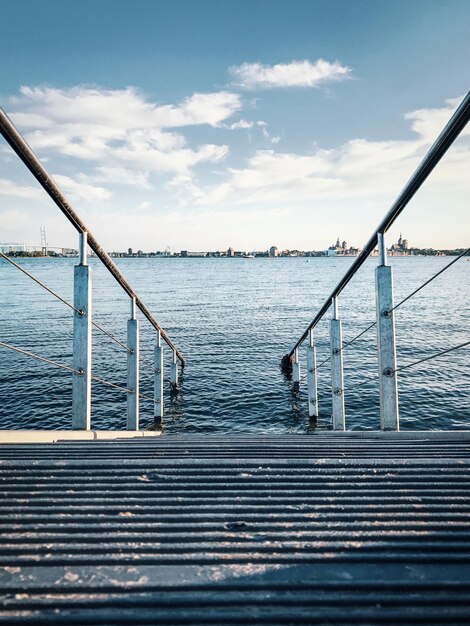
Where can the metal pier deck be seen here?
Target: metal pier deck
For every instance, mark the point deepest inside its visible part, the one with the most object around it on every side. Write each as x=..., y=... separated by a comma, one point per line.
x=332, y=528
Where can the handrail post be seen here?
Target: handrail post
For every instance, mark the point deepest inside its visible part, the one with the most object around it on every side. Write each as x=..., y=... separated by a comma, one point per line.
x=133, y=369
x=174, y=373
x=337, y=384
x=82, y=300
x=389, y=418
x=296, y=369
x=158, y=381
x=312, y=377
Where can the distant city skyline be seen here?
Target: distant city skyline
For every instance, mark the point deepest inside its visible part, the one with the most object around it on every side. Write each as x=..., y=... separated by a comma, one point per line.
x=188, y=124
x=340, y=248
x=45, y=243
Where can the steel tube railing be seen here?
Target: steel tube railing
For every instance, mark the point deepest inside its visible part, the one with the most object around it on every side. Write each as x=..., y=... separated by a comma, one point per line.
x=451, y=131
x=24, y=152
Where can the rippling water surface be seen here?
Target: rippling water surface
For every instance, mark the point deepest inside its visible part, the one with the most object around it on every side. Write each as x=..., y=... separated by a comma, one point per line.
x=234, y=319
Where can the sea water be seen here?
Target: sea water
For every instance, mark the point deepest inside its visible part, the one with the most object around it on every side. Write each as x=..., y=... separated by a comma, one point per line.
x=234, y=319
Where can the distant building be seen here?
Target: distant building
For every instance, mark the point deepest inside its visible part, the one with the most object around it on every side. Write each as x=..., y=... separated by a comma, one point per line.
x=69, y=252
x=403, y=243
x=273, y=251
x=12, y=247
x=334, y=249
x=290, y=253
x=230, y=251
x=341, y=249
x=188, y=253
x=129, y=251
x=400, y=248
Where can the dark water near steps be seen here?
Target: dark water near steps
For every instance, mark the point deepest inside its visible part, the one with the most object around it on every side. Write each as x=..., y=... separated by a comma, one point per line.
x=234, y=319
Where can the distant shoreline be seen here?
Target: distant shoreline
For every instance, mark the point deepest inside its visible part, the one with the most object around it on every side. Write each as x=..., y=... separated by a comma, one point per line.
x=237, y=258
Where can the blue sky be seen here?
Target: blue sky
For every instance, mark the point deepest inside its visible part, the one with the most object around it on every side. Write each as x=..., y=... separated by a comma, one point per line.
x=205, y=124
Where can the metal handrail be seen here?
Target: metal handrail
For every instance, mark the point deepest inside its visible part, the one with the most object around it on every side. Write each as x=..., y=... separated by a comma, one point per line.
x=450, y=132
x=25, y=153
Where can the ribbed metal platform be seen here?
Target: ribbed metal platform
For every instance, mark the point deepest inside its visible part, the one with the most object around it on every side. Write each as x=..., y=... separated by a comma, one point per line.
x=327, y=528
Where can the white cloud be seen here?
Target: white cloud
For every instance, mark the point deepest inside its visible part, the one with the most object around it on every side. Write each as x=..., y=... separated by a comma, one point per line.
x=144, y=205
x=81, y=190
x=294, y=74
x=143, y=155
x=119, y=108
x=207, y=108
x=121, y=128
x=120, y=176
x=357, y=169
x=117, y=138
x=210, y=228
x=264, y=129
x=240, y=124
x=14, y=221
x=10, y=188
x=429, y=122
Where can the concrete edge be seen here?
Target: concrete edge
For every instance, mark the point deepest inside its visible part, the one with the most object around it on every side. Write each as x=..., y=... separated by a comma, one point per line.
x=395, y=434
x=53, y=436
x=264, y=438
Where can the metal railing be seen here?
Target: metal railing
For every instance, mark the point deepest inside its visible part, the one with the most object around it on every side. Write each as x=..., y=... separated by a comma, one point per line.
x=387, y=370
x=82, y=311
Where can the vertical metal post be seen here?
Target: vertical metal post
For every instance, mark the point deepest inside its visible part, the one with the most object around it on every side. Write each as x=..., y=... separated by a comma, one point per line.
x=389, y=418
x=174, y=372
x=337, y=383
x=82, y=300
x=158, y=381
x=312, y=377
x=133, y=370
x=296, y=369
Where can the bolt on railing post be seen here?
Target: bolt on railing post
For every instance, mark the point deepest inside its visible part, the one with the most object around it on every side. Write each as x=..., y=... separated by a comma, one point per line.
x=296, y=369
x=389, y=418
x=312, y=376
x=133, y=369
x=337, y=383
x=82, y=317
x=174, y=372
x=158, y=381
